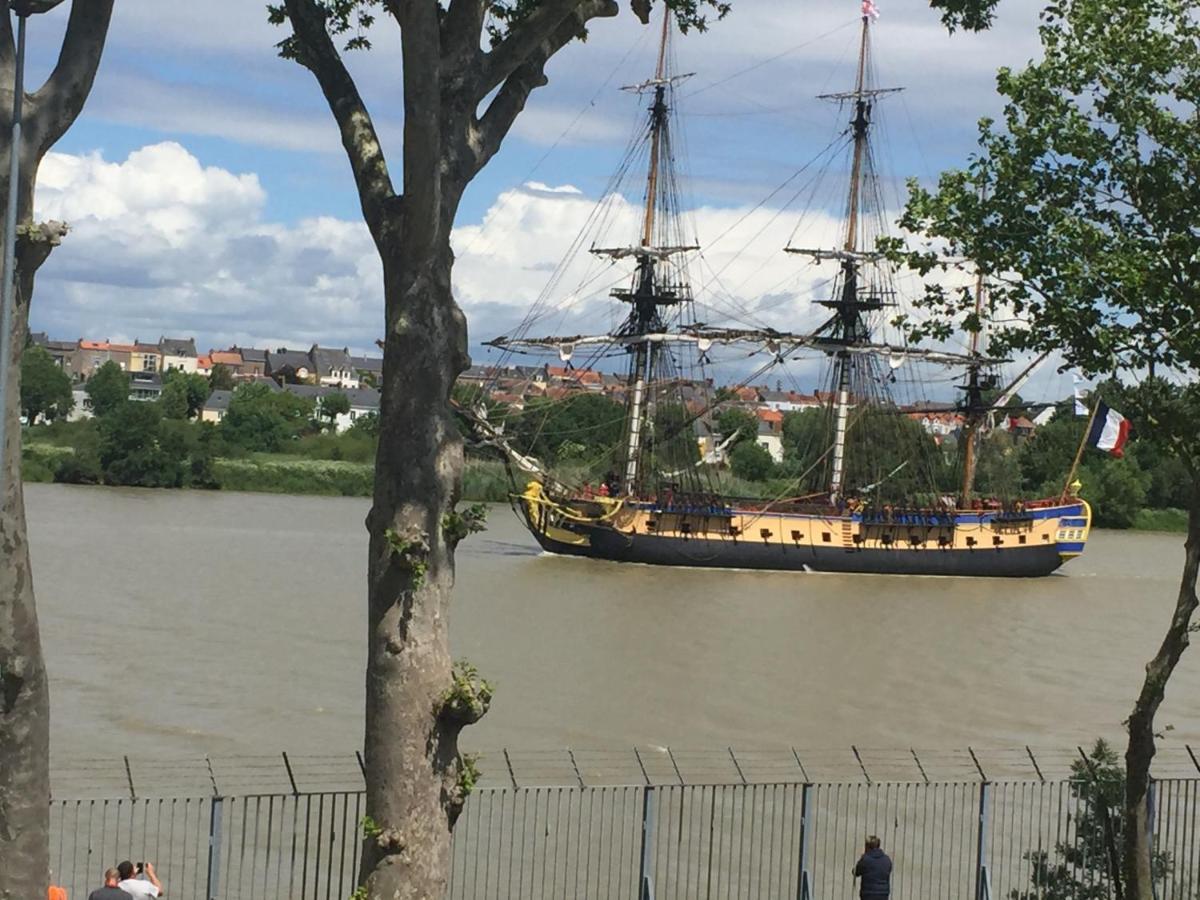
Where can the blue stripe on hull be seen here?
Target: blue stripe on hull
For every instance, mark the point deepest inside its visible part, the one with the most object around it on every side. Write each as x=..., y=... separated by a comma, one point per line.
x=607, y=543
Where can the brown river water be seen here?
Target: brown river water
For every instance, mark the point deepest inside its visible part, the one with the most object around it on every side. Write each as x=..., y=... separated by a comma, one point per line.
x=188, y=623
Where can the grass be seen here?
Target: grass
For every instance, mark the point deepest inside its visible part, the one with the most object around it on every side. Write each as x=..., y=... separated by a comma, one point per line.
x=484, y=480
x=1174, y=520
x=295, y=476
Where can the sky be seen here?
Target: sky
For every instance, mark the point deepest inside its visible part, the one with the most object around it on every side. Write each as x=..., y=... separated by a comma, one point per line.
x=208, y=194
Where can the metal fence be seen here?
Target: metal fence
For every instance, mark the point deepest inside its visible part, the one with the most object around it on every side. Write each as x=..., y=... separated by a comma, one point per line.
x=679, y=831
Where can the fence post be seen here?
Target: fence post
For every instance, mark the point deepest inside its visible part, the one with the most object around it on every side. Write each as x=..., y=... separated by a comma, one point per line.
x=1151, y=800
x=804, y=884
x=215, y=825
x=983, y=875
x=645, y=877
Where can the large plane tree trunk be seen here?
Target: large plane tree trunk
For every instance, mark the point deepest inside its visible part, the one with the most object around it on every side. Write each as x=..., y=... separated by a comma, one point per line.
x=1137, y=833
x=415, y=785
x=416, y=704
x=24, y=696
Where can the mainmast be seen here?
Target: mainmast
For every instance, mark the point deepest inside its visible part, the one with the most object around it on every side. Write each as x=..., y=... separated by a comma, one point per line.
x=848, y=327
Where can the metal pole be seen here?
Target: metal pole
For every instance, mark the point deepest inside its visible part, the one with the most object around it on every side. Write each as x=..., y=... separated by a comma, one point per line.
x=983, y=876
x=646, y=875
x=216, y=823
x=10, y=245
x=804, y=883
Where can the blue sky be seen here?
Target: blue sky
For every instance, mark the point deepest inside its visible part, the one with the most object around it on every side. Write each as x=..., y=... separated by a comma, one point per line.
x=239, y=221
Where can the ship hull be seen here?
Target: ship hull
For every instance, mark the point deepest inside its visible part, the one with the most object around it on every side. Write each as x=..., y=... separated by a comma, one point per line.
x=607, y=544
x=964, y=545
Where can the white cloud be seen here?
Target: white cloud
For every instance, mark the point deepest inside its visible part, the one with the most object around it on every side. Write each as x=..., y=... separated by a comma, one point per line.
x=161, y=244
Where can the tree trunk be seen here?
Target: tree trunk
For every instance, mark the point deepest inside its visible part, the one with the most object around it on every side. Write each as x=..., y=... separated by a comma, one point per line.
x=411, y=742
x=24, y=695
x=1137, y=834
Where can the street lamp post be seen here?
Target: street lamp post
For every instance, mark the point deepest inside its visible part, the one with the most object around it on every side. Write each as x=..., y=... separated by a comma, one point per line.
x=24, y=9
x=10, y=243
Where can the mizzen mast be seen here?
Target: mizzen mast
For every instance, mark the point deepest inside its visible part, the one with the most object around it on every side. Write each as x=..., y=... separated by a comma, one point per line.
x=973, y=403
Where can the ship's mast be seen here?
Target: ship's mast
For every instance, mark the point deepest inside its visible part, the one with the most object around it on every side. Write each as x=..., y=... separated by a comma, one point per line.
x=848, y=309
x=848, y=325
x=973, y=402
x=848, y=328
x=646, y=297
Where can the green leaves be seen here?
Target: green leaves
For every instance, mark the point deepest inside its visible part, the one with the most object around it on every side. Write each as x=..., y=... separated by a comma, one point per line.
x=351, y=20
x=45, y=388
x=410, y=549
x=970, y=15
x=1080, y=206
x=341, y=18
x=458, y=524
x=469, y=696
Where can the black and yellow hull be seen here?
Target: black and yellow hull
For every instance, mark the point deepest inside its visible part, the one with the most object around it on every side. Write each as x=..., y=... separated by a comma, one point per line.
x=1031, y=543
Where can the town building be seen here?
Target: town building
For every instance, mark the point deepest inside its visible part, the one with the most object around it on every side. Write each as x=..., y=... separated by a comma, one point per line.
x=91, y=355
x=789, y=401
x=289, y=366
x=216, y=406
x=178, y=353
x=145, y=357
x=254, y=362
x=363, y=401
x=334, y=368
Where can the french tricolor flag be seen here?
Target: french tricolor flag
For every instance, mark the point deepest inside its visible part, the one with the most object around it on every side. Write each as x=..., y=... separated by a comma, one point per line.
x=1109, y=431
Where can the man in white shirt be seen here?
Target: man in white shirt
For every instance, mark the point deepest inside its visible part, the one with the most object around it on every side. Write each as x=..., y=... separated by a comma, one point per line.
x=145, y=886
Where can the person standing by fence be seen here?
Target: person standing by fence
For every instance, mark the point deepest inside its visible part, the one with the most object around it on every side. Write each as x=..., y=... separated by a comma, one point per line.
x=145, y=886
x=875, y=869
x=110, y=891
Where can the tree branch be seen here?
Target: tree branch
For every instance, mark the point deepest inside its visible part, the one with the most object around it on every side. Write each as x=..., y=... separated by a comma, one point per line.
x=316, y=52
x=1141, y=748
x=57, y=104
x=530, y=34
x=493, y=127
x=32, y=7
x=462, y=28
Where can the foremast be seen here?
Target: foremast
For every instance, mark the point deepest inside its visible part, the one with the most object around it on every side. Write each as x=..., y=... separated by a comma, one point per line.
x=649, y=293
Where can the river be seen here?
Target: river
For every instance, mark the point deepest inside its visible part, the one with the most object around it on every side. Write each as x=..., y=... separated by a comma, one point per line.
x=185, y=623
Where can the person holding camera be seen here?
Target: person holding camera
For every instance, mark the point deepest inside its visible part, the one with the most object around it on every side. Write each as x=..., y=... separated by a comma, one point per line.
x=141, y=882
x=110, y=891
x=875, y=869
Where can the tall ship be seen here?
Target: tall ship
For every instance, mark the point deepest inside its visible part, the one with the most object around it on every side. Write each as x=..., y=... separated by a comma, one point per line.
x=634, y=472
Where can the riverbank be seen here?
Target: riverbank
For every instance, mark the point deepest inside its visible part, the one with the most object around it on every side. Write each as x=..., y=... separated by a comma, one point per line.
x=277, y=473
x=484, y=481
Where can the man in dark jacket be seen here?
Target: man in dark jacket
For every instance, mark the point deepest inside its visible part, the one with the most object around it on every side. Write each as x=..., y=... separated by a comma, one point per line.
x=875, y=870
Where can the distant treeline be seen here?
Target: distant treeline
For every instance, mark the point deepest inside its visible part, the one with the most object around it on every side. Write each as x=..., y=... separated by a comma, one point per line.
x=278, y=442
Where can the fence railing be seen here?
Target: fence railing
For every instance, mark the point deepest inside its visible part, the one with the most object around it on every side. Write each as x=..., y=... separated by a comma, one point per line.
x=283, y=773
x=784, y=839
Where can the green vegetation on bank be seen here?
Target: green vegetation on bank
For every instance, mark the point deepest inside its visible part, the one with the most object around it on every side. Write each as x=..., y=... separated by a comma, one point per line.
x=277, y=442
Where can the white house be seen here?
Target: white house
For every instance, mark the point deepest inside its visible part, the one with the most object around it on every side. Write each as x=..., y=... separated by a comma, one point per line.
x=178, y=353
x=770, y=440
x=363, y=401
x=334, y=367
x=789, y=401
